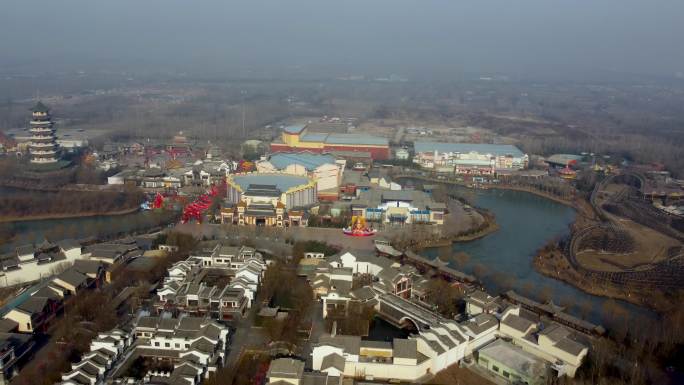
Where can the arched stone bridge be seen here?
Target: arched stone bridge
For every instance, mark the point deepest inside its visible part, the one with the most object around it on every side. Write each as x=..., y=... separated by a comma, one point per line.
x=406, y=314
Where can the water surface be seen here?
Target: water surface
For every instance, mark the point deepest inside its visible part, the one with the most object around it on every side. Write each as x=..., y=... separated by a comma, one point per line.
x=527, y=222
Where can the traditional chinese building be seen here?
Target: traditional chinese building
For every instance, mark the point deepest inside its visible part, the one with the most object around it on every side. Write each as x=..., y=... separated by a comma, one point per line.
x=43, y=145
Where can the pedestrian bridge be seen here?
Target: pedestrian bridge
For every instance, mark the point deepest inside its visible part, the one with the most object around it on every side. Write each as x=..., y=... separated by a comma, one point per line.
x=407, y=314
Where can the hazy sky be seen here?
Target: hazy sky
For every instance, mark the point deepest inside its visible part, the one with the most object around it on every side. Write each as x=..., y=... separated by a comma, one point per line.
x=406, y=37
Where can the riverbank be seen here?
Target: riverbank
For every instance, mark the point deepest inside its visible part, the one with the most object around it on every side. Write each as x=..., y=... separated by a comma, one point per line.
x=420, y=241
x=552, y=263
x=75, y=201
x=533, y=191
x=490, y=226
x=67, y=215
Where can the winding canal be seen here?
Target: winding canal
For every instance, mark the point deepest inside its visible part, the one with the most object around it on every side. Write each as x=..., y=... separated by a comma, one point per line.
x=526, y=223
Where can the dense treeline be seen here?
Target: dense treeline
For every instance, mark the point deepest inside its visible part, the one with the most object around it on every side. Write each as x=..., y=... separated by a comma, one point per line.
x=68, y=202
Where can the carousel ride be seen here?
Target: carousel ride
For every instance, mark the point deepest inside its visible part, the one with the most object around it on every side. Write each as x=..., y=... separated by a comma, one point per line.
x=358, y=228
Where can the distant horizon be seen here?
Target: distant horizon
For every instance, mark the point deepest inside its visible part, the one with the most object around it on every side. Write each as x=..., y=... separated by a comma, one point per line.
x=528, y=39
x=597, y=76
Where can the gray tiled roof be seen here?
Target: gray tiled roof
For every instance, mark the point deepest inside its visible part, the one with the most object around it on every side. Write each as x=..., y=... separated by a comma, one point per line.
x=69, y=244
x=286, y=368
x=191, y=323
x=333, y=361
x=147, y=322
x=376, y=345
x=85, y=266
x=350, y=344
x=481, y=323
x=404, y=348
x=570, y=346
x=73, y=277
x=516, y=322
x=7, y=325
x=33, y=305
x=364, y=293
x=25, y=249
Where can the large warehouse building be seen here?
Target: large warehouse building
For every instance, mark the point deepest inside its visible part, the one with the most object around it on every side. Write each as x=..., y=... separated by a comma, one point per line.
x=324, y=168
x=469, y=158
x=297, y=138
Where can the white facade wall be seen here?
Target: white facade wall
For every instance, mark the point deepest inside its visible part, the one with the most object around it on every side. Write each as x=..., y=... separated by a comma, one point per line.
x=72, y=254
x=117, y=179
x=341, y=277
x=320, y=352
x=481, y=340
x=108, y=346
x=473, y=309
x=295, y=169
x=23, y=319
x=203, y=357
x=265, y=167
x=386, y=370
x=248, y=275
x=293, y=381
x=404, y=361
x=359, y=267
x=327, y=176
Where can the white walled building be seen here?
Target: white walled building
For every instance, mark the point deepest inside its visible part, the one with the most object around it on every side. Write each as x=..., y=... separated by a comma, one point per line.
x=554, y=343
x=194, y=346
x=469, y=158
x=430, y=352
x=184, y=289
x=440, y=342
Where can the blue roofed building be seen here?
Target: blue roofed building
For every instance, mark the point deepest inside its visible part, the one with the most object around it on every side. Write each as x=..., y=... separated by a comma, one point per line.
x=309, y=160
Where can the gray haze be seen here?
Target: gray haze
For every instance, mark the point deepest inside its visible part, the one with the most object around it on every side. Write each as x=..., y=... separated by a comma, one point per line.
x=344, y=37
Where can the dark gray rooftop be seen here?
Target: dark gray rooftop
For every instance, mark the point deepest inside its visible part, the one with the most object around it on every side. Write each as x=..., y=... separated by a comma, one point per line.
x=518, y=323
x=333, y=361
x=33, y=305
x=286, y=368
x=350, y=344
x=69, y=244
x=72, y=277
x=404, y=348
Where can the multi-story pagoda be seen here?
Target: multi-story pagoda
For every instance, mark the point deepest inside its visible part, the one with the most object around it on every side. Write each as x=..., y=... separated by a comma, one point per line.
x=43, y=145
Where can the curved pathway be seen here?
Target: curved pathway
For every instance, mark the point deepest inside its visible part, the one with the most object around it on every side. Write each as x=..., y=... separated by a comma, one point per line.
x=668, y=274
